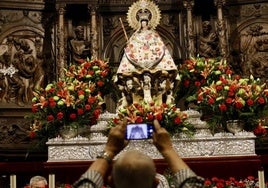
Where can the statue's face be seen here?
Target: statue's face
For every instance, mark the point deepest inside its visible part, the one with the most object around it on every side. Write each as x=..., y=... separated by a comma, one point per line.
x=129, y=84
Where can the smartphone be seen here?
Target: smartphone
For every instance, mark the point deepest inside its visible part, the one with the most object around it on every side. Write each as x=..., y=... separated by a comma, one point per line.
x=139, y=131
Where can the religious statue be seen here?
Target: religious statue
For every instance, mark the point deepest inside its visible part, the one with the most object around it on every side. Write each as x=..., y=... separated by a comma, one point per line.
x=146, y=58
x=208, y=42
x=79, y=47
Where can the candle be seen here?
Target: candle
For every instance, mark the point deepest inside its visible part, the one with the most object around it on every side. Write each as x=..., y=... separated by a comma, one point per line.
x=51, y=180
x=13, y=181
x=261, y=178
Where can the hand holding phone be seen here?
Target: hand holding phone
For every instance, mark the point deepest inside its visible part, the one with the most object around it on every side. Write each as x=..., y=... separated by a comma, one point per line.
x=139, y=131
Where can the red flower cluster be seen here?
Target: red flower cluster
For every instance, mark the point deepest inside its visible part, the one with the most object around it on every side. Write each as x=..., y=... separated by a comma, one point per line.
x=198, y=72
x=249, y=182
x=168, y=115
x=96, y=71
x=232, y=97
x=74, y=101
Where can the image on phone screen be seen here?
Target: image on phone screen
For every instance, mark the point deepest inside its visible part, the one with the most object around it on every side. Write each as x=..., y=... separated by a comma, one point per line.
x=139, y=131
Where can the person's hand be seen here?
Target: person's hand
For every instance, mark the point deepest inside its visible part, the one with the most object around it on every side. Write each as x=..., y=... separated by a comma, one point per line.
x=161, y=138
x=116, y=139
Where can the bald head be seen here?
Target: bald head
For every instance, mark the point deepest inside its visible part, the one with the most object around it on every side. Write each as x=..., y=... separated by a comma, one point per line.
x=133, y=169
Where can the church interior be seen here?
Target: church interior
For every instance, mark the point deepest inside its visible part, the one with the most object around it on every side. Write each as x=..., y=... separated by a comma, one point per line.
x=41, y=39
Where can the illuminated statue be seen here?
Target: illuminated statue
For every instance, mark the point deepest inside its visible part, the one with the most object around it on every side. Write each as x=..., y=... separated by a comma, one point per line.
x=146, y=57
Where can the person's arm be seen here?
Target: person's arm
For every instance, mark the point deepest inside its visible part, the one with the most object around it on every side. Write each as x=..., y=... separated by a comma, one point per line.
x=96, y=173
x=115, y=143
x=184, y=175
x=162, y=141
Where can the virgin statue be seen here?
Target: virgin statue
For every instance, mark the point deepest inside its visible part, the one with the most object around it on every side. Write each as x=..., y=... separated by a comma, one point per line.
x=145, y=52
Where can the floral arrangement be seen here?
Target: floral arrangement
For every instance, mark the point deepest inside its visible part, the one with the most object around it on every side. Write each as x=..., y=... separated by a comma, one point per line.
x=249, y=182
x=168, y=115
x=73, y=101
x=95, y=71
x=232, y=97
x=197, y=72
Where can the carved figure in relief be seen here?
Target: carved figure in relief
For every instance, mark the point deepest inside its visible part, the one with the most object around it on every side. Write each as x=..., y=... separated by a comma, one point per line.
x=79, y=48
x=21, y=71
x=259, y=61
x=208, y=41
x=145, y=54
x=25, y=63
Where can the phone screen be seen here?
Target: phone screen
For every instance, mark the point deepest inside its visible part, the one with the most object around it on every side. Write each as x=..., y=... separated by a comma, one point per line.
x=139, y=131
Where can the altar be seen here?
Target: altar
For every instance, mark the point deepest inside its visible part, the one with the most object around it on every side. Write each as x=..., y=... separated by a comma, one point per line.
x=202, y=144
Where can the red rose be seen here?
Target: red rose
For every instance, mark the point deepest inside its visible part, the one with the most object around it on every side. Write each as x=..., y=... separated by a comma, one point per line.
x=250, y=102
x=219, y=87
x=177, y=120
x=159, y=117
x=100, y=83
x=199, y=98
x=91, y=100
x=219, y=185
x=51, y=90
x=261, y=100
x=34, y=108
x=50, y=118
x=222, y=107
x=60, y=115
x=52, y=104
x=80, y=111
x=229, y=100
x=139, y=119
x=239, y=105
x=87, y=65
x=91, y=72
x=87, y=107
x=51, y=99
x=80, y=92
x=211, y=101
x=150, y=117
x=72, y=116
x=96, y=113
x=207, y=183
x=231, y=93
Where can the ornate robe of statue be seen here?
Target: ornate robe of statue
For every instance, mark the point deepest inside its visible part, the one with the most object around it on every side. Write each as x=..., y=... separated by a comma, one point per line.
x=146, y=60
x=145, y=51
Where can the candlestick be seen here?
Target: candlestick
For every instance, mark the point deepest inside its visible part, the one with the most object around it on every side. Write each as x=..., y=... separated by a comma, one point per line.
x=13, y=181
x=261, y=178
x=51, y=180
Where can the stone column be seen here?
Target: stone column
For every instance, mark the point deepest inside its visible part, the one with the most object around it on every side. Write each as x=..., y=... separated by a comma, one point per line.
x=60, y=41
x=94, y=31
x=221, y=28
x=188, y=4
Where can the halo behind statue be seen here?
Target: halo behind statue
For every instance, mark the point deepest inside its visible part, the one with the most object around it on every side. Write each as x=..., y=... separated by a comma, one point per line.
x=133, y=11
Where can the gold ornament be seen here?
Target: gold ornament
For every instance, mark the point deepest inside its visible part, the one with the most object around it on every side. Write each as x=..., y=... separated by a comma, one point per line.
x=143, y=9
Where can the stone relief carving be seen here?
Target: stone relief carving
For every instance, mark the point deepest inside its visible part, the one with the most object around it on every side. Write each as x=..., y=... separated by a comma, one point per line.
x=13, y=131
x=23, y=55
x=250, y=51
